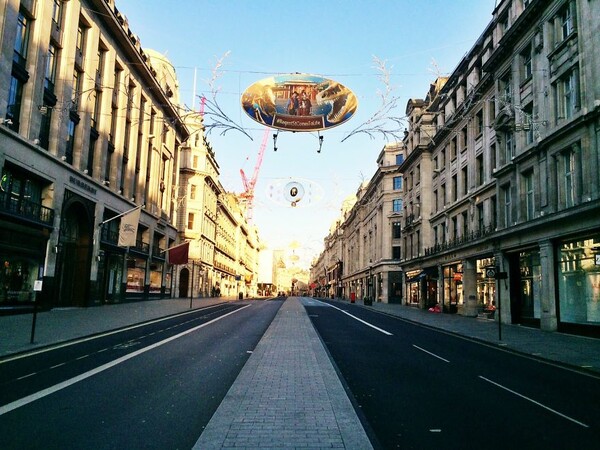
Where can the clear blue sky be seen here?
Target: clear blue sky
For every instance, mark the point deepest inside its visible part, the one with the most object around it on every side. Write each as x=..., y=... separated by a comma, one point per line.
x=418, y=39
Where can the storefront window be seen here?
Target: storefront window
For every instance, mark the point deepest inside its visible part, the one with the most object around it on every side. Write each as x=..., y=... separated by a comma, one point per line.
x=136, y=272
x=486, y=287
x=453, y=288
x=579, y=281
x=16, y=280
x=531, y=276
x=155, y=277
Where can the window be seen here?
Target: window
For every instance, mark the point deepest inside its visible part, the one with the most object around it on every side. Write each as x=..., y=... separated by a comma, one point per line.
x=529, y=195
x=15, y=96
x=465, y=224
x=480, y=222
x=397, y=183
x=493, y=213
x=453, y=143
x=57, y=13
x=569, y=177
x=192, y=192
x=76, y=93
x=526, y=64
x=479, y=122
x=45, y=128
x=397, y=205
x=455, y=227
x=190, y=223
x=463, y=139
x=454, y=188
x=443, y=194
x=396, y=252
x=436, y=205
x=567, y=94
x=91, y=154
x=80, y=43
x=71, y=126
x=396, y=230
x=399, y=159
x=22, y=40
x=442, y=159
x=480, y=169
x=528, y=123
x=465, y=180
x=565, y=22
x=51, y=66
x=505, y=91
x=507, y=206
x=96, y=101
x=509, y=147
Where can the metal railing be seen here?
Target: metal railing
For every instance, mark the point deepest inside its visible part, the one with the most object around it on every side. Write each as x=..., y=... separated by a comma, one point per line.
x=461, y=240
x=22, y=208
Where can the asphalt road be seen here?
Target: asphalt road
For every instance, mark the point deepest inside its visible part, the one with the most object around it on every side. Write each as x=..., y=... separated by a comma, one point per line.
x=154, y=386
x=418, y=388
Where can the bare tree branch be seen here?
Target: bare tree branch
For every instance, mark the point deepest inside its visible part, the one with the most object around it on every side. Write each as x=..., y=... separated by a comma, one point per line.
x=383, y=122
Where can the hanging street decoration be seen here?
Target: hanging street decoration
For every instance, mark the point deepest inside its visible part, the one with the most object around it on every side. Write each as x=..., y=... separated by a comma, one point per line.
x=295, y=193
x=299, y=102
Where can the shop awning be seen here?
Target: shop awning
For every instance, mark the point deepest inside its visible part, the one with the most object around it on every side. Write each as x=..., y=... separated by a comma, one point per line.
x=431, y=271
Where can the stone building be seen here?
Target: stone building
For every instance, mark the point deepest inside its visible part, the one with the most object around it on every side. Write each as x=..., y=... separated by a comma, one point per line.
x=363, y=249
x=89, y=131
x=503, y=172
x=501, y=176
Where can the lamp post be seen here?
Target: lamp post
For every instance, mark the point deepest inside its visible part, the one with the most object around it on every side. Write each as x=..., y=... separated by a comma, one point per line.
x=369, y=299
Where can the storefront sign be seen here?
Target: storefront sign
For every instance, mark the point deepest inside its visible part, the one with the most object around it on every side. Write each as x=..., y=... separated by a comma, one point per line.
x=82, y=184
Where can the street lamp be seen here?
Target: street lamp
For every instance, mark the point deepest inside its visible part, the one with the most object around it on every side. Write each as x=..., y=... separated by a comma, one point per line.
x=369, y=299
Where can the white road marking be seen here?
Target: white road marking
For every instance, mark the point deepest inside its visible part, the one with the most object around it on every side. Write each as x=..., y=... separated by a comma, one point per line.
x=108, y=333
x=360, y=320
x=58, y=365
x=535, y=402
x=27, y=376
x=429, y=353
x=57, y=387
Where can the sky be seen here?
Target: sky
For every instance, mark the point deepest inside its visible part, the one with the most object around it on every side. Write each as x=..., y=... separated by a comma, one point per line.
x=242, y=42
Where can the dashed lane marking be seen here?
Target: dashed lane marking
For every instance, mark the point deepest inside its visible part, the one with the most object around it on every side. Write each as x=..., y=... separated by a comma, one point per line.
x=57, y=387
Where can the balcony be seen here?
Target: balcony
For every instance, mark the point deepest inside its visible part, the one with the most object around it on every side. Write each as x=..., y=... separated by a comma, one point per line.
x=26, y=210
x=459, y=241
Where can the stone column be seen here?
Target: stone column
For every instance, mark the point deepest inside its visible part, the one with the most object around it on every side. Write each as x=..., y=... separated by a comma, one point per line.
x=503, y=289
x=469, y=279
x=548, y=320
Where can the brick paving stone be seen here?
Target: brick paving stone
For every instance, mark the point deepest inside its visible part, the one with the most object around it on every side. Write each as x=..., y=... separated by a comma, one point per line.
x=288, y=394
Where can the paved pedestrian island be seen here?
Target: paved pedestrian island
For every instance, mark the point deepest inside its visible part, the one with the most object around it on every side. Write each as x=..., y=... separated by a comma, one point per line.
x=288, y=395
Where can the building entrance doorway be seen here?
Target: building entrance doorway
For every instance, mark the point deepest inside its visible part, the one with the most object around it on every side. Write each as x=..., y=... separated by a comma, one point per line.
x=184, y=281
x=74, y=257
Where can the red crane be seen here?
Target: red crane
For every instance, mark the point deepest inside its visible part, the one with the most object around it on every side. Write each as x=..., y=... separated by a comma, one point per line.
x=248, y=195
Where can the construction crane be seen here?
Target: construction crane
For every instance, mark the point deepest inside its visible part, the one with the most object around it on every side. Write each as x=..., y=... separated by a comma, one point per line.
x=248, y=195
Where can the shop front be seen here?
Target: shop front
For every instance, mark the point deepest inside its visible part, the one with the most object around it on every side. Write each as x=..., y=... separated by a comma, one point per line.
x=579, y=285
x=421, y=287
x=452, y=298
x=525, y=287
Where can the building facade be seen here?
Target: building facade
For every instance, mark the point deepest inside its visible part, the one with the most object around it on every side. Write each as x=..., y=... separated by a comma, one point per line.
x=224, y=247
x=89, y=131
x=501, y=175
x=514, y=164
x=363, y=249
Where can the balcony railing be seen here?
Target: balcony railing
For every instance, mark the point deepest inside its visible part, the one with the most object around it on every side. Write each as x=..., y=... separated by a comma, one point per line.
x=25, y=209
x=452, y=243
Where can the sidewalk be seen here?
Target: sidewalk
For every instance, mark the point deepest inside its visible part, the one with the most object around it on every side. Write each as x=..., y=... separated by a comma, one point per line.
x=65, y=324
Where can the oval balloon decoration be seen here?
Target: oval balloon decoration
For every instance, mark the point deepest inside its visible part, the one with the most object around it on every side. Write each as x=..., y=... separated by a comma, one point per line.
x=299, y=102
